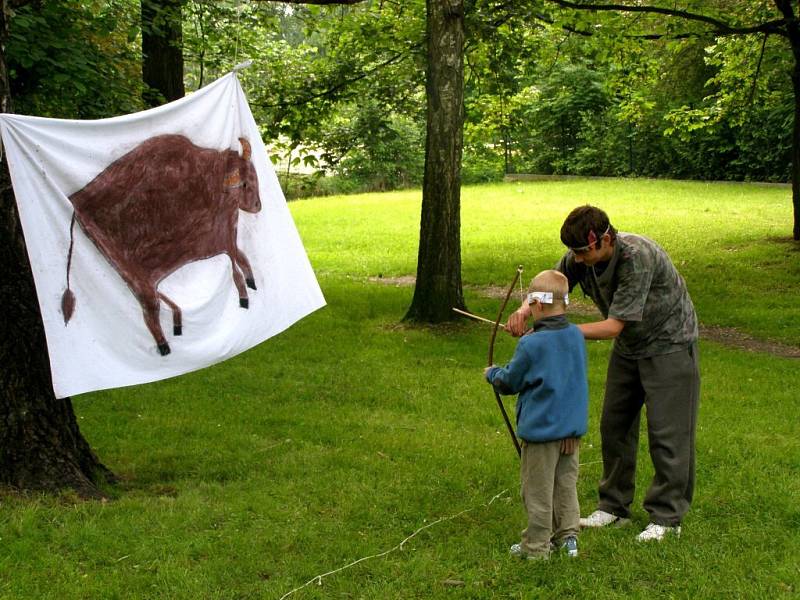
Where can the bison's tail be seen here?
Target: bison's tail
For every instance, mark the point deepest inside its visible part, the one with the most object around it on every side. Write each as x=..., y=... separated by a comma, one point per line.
x=68, y=299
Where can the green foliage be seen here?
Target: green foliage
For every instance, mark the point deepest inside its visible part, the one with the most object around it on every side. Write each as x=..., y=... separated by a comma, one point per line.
x=217, y=35
x=607, y=103
x=74, y=59
x=304, y=185
x=340, y=89
x=745, y=123
x=567, y=103
x=346, y=84
x=377, y=149
x=343, y=84
x=481, y=165
x=346, y=434
x=499, y=91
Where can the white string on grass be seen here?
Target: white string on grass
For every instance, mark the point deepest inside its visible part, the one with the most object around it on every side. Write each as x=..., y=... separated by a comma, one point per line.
x=275, y=445
x=318, y=578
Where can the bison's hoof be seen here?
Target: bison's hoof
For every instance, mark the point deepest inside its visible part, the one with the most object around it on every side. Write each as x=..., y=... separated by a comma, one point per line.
x=244, y=303
x=177, y=330
x=163, y=349
x=251, y=283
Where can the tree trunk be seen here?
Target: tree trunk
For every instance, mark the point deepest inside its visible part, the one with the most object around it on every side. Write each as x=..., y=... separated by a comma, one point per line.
x=438, y=288
x=41, y=447
x=793, y=34
x=162, y=51
x=796, y=151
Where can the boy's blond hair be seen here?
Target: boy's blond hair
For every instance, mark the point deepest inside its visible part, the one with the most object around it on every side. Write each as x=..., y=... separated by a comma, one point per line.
x=554, y=282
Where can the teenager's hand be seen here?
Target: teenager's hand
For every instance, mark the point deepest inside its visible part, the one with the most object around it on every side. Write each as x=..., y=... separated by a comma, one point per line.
x=517, y=321
x=569, y=445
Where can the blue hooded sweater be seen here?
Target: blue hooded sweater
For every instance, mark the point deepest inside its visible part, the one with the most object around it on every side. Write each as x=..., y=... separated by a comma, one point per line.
x=548, y=371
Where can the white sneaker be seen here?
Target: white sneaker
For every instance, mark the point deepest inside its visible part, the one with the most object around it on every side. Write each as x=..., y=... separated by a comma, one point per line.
x=601, y=518
x=658, y=532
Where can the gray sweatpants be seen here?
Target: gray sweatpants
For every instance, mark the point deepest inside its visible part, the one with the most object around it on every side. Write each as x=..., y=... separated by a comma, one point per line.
x=550, y=495
x=669, y=386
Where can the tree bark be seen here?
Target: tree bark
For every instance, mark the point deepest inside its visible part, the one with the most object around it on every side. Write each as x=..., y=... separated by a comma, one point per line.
x=796, y=151
x=162, y=51
x=793, y=35
x=438, y=288
x=41, y=446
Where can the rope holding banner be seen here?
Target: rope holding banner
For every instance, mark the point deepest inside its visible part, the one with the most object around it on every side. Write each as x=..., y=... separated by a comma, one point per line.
x=238, y=29
x=238, y=66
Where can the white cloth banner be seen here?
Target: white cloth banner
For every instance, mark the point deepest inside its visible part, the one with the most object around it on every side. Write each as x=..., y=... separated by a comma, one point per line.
x=160, y=242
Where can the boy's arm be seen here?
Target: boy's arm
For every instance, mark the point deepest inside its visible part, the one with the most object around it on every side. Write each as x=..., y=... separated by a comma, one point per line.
x=602, y=330
x=517, y=321
x=489, y=373
x=512, y=378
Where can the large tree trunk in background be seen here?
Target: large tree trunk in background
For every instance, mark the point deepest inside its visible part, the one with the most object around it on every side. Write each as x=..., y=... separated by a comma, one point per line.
x=796, y=152
x=438, y=288
x=162, y=51
x=41, y=447
x=793, y=34
x=794, y=40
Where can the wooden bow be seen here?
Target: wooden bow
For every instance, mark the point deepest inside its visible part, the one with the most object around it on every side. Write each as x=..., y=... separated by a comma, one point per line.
x=491, y=360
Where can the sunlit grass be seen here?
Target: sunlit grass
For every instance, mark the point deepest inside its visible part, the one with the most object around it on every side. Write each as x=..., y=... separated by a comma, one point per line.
x=730, y=241
x=344, y=435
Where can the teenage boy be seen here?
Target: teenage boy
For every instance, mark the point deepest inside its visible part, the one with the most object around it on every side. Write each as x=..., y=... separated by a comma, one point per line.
x=654, y=362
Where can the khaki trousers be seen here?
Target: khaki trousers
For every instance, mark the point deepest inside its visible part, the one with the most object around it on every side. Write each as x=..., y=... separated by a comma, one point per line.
x=550, y=495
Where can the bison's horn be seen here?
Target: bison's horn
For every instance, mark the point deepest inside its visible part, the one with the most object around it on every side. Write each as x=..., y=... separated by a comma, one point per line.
x=233, y=180
x=245, y=148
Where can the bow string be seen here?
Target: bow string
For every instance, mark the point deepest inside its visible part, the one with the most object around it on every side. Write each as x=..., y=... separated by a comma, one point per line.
x=491, y=359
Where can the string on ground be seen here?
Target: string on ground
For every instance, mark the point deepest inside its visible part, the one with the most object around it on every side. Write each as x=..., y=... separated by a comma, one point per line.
x=318, y=578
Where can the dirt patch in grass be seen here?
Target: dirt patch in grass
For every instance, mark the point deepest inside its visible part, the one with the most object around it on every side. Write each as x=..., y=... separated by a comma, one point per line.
x=736, y=339
x=792, y=244
x=397, y=281
x=727, y=336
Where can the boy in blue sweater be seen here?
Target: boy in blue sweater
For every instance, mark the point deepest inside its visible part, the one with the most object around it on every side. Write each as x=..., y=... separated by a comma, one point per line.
x=548, y=371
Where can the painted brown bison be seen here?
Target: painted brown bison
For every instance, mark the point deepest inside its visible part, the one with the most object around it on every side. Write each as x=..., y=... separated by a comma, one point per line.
x=165, y=204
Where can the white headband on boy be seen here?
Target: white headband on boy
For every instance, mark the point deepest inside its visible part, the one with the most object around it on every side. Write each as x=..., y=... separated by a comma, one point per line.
x=544, y=297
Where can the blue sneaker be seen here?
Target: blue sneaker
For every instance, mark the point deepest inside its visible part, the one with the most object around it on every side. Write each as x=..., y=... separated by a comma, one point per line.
x=570, y=544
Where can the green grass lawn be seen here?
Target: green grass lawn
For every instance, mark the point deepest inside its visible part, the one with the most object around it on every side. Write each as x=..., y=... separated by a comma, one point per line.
x=348, y=433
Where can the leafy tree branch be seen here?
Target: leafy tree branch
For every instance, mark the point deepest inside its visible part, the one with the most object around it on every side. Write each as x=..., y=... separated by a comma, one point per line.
x=333, y=91
x=720, y=27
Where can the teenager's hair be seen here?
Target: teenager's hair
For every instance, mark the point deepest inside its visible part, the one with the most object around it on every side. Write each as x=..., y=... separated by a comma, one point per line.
x=575, y=232
x=551, y=281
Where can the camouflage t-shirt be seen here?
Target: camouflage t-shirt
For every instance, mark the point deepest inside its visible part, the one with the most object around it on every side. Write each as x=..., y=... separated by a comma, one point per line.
x=640, y=286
